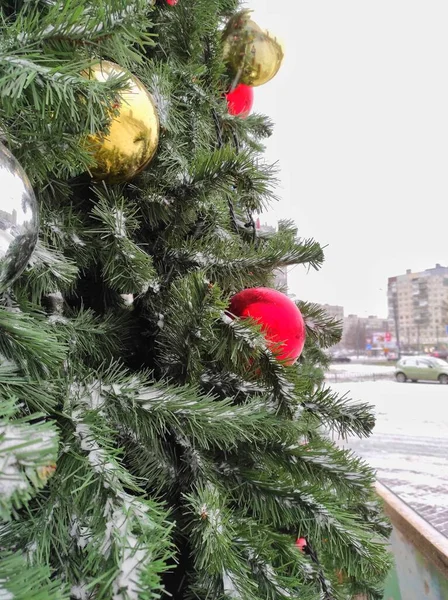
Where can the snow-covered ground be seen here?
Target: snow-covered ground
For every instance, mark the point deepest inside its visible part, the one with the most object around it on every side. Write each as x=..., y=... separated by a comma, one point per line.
x=409, y=446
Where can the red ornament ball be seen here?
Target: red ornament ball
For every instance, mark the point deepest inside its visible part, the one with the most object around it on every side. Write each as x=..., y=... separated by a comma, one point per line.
x=240, y=100
x=280, y=319
x=172, y=2
x=301, y=543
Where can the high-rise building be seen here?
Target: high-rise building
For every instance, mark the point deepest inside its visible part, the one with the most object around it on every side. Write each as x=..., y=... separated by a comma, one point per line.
x=418, y=304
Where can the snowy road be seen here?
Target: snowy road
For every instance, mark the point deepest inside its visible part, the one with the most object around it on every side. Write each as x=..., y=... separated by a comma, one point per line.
x=409, y=447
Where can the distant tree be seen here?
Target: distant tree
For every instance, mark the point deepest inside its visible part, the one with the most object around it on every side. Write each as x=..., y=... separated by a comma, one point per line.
x=355, y=336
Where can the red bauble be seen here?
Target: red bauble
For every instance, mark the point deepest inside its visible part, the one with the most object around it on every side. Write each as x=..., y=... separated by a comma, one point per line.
x=281, y=320
x=301, y=543
x=172, y=2
x=240, y=100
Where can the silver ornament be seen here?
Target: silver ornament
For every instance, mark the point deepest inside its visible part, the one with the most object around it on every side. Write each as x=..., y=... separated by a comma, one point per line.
x=19, y=219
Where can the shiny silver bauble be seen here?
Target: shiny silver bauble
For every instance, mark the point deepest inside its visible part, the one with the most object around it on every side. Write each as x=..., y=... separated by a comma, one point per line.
x=19, y=219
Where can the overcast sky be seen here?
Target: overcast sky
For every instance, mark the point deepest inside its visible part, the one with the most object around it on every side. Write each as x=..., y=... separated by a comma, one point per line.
x=361, y=113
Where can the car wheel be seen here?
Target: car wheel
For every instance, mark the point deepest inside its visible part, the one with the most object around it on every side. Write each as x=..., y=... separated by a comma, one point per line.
x=400, y=377
x=443, y=378
x=414, y=380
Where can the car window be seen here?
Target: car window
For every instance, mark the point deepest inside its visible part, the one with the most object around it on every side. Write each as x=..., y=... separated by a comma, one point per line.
x=439, y=362
x=426, y=364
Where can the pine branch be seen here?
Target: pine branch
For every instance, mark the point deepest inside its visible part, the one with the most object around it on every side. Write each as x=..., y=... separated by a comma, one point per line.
x=101, y=519
x=323, y=329
x=251, y=132
x=48, y=271
x=125, y=267
x=30, y=343
x=21, y=581
x=223, y=262
x=318, y=513
x=226, y=167
x=339, y=414
x=95, y=339
x=242, y=348
x=37, y=397
x=203, y=420
x=320, y=461
x=83, y=20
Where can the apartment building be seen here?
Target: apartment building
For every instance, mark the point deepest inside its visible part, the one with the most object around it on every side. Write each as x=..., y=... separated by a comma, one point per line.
x=333, y=310
x=418, y=304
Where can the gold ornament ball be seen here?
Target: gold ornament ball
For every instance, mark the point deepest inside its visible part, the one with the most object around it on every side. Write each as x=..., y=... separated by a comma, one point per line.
x=253, y=55
x=133, y=135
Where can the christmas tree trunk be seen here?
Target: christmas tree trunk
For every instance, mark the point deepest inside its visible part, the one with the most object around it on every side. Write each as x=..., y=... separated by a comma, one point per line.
x=156, y=438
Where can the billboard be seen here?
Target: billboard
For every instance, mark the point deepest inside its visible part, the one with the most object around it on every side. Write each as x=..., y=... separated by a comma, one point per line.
x=383, y=339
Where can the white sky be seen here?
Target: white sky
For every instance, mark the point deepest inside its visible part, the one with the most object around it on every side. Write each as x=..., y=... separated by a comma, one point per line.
x=361, y=113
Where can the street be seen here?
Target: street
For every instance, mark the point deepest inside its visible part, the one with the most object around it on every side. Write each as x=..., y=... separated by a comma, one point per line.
x=409, y=446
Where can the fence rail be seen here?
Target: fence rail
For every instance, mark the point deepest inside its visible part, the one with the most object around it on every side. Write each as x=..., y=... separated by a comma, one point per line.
x=343, y=376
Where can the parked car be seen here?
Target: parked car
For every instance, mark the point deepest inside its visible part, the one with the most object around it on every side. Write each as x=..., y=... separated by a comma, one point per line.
x=421, y=368
x=440, y=354
x=341, y=358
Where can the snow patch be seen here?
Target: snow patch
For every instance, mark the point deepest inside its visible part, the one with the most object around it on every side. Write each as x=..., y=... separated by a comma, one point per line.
x=4, y=593
x=54, y=319
x=120, y=223
x=77, y=240
x=226, y=319
x=149, y=395
x=155, y=287
x=128, y=299
x=79, y=592
x=80, y=533
x=89, y=395
x=162, y=101
x=96, y=455
x=55, y=227
x=214, y=518
x=229, y=587
x=31, y=551
x=126, y=585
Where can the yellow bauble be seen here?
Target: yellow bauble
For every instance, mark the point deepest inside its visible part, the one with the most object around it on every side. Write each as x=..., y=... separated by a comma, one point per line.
x=133, y=132
x=253, y=55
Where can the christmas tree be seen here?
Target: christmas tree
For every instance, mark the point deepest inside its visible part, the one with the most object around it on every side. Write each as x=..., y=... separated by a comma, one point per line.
x=152, y=443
